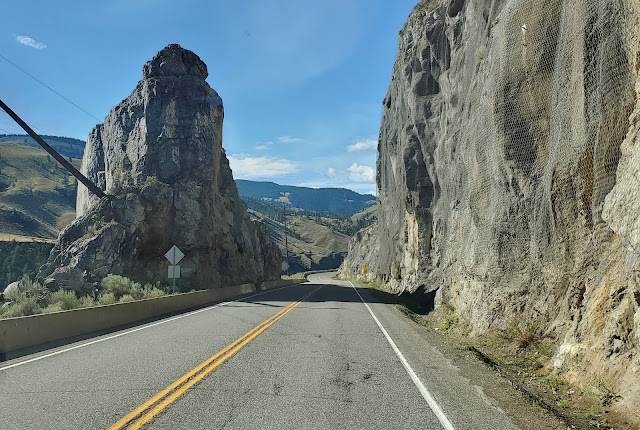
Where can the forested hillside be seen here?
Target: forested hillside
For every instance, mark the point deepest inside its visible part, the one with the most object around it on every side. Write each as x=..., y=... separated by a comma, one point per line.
x=336, y=200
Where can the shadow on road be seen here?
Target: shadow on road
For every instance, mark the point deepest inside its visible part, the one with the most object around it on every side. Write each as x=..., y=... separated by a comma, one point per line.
x=420, y=303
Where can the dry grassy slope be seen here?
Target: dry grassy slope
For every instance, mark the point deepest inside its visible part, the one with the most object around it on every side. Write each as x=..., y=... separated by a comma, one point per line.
x=369, y=212
x=67, y=146
x=37, y=195
x=311, y=245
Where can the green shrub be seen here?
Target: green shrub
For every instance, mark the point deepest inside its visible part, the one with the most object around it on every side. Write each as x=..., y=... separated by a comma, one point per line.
x=53, y=307
x=25, y=307
x=137, y=291
x=523, y=333
x=27, y=299
x=450, y=321
x=449, y=318
x=126, y=298
x=119, y=286
x=30, y=307
x=65, y=298
x=106, y=299
x=10, y=311
x=27, y=289
x=98, y=223
x=554, y=382
x=86, y=302
x=151, y=292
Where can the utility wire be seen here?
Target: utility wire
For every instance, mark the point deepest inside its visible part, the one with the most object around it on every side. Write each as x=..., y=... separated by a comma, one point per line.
x=48, y=87
x=30, y=125
x=59, y=158
x=41, y=130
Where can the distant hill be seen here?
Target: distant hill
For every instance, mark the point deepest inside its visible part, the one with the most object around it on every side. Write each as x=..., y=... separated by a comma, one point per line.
x=334, y=200
x=344, y=224
x=37, y=195
x=67, y=146
x=317, y=240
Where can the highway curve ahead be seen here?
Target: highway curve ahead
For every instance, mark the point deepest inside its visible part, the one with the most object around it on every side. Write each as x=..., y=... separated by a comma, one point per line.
x=308, y=356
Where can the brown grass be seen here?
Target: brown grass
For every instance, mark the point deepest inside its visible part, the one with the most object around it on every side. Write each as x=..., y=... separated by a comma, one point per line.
x=8, y=237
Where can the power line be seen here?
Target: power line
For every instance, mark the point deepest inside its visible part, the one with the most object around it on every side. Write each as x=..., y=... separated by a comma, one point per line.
x=59, y=158
x=48, y=87
x=41, y=130
x=30, y=125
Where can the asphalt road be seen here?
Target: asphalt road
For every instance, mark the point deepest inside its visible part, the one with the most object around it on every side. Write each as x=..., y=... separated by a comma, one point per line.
x=271, y=362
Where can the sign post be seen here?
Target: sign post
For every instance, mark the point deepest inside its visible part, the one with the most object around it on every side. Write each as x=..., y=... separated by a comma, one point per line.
x=174, y=255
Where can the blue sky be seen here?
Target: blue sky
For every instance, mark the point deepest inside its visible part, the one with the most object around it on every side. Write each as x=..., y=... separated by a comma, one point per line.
x=302, y=81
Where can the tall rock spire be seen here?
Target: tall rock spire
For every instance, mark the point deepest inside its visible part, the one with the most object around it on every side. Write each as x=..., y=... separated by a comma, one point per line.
x=159, y=156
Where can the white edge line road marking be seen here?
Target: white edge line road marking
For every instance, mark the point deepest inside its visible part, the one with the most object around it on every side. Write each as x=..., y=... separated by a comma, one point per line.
x=423, y=390
x=138, y=329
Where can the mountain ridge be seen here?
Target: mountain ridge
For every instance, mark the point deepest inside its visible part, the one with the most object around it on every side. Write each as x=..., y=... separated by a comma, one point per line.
x=344, y=201
x=67, y=146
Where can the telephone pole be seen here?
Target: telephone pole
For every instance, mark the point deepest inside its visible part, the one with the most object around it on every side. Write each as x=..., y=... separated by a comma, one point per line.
x=286, y=244
x=59, y=158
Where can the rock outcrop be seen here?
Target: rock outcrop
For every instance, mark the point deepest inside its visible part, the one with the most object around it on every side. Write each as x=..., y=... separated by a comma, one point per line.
x=508, y=169
x=159, y=157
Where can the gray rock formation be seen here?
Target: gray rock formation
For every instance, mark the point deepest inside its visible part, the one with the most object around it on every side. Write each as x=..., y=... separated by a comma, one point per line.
x=11, y=287
x=508, y=173
x=159, y=156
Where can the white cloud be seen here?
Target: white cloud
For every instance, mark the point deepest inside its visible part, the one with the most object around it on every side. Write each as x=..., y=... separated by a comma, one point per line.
x=367, y=145
x=289, y=139
x=263, y=146
x=331, y=172
x=245, y=166
x=362, y=174
x=26, y=40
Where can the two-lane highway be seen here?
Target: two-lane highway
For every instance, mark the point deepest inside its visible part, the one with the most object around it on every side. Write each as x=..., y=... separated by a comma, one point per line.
x=322, y=354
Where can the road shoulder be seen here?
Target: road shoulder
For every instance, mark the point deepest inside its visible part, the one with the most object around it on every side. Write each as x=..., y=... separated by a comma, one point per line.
x=489, y=382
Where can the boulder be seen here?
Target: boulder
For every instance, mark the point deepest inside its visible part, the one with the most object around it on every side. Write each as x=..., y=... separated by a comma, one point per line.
x=12, y=286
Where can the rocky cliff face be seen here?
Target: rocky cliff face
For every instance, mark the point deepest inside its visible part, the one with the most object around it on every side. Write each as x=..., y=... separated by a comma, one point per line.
x=508, y=169
x=159, y=156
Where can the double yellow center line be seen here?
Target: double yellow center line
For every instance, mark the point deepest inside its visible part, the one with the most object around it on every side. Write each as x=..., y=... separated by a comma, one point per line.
x=152, y=407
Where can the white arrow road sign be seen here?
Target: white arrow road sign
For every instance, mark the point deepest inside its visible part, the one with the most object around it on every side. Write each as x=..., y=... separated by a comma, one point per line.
x=174, y=255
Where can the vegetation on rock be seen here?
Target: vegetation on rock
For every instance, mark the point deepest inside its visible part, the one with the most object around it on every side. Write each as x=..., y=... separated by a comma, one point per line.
x=31, y=298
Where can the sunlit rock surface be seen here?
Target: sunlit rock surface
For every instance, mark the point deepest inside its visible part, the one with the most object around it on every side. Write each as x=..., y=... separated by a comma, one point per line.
x=509, y=176
x=160, y=159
